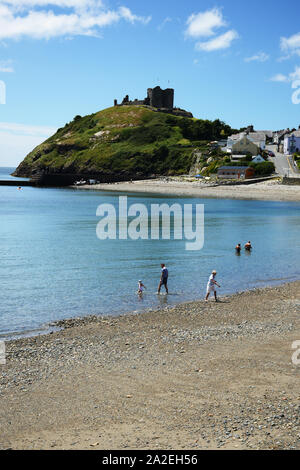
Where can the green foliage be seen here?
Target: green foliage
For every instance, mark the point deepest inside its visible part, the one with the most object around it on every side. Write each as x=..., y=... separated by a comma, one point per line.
x=238, y=163
x=134, y=140
x=263, y=168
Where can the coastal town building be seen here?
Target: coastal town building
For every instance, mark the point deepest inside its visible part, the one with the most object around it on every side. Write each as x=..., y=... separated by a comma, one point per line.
x=235, y=172
x=291, y=143
x=257, y=138
x=258, y=159
x=244, y=146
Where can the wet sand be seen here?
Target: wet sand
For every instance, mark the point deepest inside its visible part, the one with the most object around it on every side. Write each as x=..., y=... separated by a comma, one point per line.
x=194, y=376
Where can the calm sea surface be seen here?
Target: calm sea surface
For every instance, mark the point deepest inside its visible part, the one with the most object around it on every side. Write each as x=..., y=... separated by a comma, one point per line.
x=53, y=266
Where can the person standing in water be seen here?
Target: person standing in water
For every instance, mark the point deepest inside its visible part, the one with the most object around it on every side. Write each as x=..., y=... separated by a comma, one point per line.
x=248, y=246
x=238, y=248
x=163, y=278
x=211, y=286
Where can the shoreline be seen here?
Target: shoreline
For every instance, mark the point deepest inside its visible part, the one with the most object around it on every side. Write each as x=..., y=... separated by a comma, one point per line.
x=59, y=325
x=195, y=375
x=265, y=191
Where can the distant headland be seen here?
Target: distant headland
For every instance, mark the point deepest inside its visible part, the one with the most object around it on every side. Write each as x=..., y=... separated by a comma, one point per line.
x=129, y=141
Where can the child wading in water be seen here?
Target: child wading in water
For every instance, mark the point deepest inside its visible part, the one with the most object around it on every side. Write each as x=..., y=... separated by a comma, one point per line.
x=140, y=287
x=211, y=286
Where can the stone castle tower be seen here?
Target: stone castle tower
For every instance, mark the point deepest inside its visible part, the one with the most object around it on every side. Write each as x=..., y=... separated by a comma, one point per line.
x=162, y=100
x=159, y=98
x=156, y=97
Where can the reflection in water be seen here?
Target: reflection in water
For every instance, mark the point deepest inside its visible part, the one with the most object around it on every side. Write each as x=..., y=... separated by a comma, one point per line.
x=162, y=299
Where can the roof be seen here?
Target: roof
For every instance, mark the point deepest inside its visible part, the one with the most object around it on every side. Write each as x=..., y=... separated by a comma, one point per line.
x=234, y=168
x=257, y=136
x=267, y=133
x=238, y=136
x=244, y=139
x=295, y=133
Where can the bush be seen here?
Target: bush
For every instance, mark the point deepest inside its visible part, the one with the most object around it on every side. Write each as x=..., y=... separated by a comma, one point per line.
x=263, y=168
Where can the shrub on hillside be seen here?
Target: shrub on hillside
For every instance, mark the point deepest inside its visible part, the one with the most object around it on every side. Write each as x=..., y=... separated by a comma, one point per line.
x=263, y=168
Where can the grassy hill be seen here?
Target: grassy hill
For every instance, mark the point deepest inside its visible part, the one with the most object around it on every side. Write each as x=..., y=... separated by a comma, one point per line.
x=124, y=142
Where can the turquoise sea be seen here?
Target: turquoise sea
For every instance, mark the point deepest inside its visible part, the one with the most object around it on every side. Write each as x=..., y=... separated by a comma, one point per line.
x=53, y=266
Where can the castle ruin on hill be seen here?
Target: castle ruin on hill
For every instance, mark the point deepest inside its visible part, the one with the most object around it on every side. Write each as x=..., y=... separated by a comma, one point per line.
x=160, y=100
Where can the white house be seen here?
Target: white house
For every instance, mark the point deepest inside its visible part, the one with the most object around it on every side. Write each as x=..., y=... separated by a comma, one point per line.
x=233, y=139
x=258, y=139
x=258, y=159
x=291, y=143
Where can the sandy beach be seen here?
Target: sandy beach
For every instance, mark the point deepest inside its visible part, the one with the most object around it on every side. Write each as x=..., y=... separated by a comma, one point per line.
x=268, y=190
x=194, y=376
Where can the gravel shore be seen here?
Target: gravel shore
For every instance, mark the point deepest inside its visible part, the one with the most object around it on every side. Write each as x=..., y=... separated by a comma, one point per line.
x=268, y=190
x=195, y=376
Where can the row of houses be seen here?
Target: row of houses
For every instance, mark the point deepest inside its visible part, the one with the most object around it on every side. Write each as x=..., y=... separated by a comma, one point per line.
x=253, y=142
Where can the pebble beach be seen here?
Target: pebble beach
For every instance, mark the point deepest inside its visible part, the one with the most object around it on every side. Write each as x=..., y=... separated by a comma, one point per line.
x=271, y=190
x=200, y=375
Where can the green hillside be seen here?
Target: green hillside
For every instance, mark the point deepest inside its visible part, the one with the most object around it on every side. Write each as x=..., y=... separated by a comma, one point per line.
x=124, y=142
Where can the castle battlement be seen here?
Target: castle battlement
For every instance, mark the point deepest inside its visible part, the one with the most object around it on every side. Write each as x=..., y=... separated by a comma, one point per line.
x=162, y=100
x=156, y=97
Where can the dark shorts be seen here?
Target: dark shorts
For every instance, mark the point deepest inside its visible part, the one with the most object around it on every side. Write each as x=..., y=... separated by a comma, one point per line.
x=164, y=281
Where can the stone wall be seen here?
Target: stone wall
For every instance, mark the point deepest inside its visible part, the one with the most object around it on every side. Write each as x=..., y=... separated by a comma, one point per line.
x=286, y=180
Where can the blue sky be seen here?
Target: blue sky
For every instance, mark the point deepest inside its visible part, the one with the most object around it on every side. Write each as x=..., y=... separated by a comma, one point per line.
x=224, y=59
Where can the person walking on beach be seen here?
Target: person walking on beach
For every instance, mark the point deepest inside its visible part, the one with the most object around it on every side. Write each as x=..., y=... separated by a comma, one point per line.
x=163, y=279
x=211, y=286
x=248, y=246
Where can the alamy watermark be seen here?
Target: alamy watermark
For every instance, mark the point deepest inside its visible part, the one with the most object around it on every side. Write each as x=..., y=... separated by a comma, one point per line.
x=2, y=92
x=2, y=353
x=136, y=221
x=296, y=94
x=296, y=354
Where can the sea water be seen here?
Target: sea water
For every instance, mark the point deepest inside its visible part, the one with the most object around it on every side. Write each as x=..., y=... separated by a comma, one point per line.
x=53, y=266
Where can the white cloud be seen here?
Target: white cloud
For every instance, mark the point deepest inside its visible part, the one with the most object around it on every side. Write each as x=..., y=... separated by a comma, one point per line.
x=204, y=24
x=287, y=78
x=6, y=67
x=279, y=77
x=77, y=4
x=220, y=42
x=162, y=25
x=83, y=17
x=291, y=45
x=260, y=57
x=127, y=15
x=17, y=140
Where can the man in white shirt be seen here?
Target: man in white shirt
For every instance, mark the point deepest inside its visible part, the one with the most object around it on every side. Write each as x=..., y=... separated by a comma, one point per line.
x=211, y=286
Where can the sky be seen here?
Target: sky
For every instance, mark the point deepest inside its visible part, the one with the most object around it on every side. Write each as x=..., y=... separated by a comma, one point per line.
x=231, y=60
